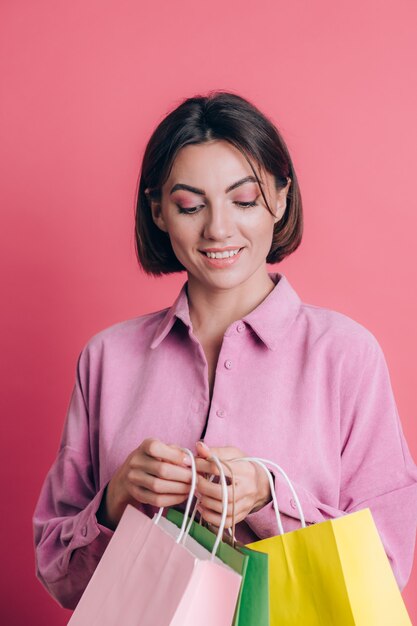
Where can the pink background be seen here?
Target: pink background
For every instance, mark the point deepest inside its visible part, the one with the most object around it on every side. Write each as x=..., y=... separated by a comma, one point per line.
x=84, y=83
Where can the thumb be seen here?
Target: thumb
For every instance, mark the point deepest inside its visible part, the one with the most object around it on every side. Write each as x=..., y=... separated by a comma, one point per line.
x=203, y=451
x=224, y=453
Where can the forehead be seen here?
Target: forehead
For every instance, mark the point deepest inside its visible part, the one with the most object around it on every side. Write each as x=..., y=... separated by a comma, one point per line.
x=213, y=164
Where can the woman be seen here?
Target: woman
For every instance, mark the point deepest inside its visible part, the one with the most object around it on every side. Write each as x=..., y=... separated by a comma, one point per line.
x=238, y=361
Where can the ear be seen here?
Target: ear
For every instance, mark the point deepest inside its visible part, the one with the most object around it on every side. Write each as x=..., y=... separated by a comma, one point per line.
x=281, y=201
x=156, y=212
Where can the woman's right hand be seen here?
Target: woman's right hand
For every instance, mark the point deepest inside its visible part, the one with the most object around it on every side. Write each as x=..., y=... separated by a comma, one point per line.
x=154, y=473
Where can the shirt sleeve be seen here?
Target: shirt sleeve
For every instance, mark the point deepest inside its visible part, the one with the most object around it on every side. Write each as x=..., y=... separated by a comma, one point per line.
x=69, y=541
x=377, y=470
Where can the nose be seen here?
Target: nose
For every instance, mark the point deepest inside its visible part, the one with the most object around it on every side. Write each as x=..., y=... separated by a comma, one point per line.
x=219, y=224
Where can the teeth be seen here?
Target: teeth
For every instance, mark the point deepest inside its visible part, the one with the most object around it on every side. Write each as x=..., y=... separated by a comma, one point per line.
x=222, y=255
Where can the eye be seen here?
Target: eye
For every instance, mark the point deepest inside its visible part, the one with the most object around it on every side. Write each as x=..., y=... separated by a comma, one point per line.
x=189, y=210
x=246, y=204
x=194, y=209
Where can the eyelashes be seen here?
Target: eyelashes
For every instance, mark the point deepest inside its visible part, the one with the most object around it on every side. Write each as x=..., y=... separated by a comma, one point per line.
x=194, y=209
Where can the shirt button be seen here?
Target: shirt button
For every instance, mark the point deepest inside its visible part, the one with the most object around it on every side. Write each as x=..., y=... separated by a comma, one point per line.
x=228, y=364
x=240, y=327
x=293, y=503
x=84, y=531
x=220, y=413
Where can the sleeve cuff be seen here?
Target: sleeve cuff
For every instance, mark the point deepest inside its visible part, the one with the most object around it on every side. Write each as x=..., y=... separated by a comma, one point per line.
x=87, y=528
x=264, y=523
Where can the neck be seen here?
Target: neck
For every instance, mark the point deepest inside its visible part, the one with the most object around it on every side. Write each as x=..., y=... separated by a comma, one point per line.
x=213, y=309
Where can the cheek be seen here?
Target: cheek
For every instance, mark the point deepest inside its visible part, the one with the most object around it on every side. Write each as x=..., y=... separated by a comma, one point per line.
x=261, y=235
x=182, y=234
x=258, y=225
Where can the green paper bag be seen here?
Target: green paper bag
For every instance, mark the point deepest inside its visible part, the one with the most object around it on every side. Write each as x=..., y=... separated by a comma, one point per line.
x=252, y=608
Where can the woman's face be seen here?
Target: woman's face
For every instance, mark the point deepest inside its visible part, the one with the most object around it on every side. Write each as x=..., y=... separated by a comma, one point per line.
x=208, y=203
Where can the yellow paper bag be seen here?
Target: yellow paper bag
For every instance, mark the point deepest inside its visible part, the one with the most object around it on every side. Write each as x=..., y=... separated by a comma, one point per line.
x=333, y=573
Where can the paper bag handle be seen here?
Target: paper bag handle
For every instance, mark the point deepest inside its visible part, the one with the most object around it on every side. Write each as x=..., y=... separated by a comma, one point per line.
x=186, y=529
x=263, y=463
x=190, y=497
x=220, y=532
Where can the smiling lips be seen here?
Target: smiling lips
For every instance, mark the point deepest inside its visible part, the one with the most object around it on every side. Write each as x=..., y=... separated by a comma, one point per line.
x=223, y=259
x=221, y=253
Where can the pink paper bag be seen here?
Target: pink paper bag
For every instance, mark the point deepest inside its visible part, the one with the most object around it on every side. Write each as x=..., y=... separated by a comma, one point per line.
x=145, y=578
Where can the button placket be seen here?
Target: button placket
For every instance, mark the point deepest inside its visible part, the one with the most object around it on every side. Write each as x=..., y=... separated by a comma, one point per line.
x=219, y=412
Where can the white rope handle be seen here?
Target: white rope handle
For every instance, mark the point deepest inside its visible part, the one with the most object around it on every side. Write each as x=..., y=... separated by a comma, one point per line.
x=224, y=504
x=184, y=531
x=220, y=532
x=187, y=531
x=190, y=497
x=263, y=463
x=224, y=507
x=271, y=486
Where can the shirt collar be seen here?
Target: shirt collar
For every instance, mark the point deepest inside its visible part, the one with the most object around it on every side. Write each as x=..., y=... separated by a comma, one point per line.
x=269, y=320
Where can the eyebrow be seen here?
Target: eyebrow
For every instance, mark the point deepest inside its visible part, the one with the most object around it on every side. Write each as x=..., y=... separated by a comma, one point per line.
x=201, y=192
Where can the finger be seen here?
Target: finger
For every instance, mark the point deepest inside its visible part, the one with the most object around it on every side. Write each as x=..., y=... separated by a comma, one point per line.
x=226, y=453
x=159, y=450
x=158, y=485
x=214, y=490
x=167, y=470
x=206, y=467
x=145, y=496
x=203, y=450
x=161, y=469
x=214, y=505
x=215, y=519
x=209, y=467
x=208, y=496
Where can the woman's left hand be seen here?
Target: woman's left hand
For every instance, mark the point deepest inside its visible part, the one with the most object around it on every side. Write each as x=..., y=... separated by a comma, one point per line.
x=252, y=490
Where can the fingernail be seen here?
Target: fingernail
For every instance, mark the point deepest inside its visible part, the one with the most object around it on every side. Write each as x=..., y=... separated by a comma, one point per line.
x=186, y=460
x=203, y=445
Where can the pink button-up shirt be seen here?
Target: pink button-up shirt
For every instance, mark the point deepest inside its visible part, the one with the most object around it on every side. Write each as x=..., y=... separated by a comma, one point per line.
x=302, y=385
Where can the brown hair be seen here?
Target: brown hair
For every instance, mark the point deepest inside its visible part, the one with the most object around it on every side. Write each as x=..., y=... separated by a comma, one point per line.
x=220, y=115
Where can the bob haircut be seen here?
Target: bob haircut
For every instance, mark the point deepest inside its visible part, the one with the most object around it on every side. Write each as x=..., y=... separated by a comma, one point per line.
x=220, y=115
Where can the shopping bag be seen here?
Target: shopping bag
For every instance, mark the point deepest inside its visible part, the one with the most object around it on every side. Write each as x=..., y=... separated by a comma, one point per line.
x=252, y=607
x=334, y=572
x=146, y=577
